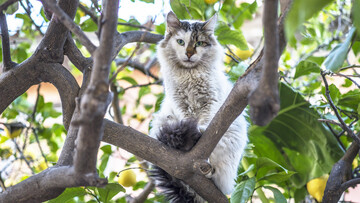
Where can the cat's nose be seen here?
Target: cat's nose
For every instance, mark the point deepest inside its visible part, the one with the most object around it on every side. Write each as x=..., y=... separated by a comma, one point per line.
x=189, y=54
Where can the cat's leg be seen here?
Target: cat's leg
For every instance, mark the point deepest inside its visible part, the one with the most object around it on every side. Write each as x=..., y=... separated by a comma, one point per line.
x=226, y=156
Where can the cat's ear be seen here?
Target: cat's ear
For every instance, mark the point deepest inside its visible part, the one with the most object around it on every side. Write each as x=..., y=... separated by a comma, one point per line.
x=172, y=22
x=211, y=23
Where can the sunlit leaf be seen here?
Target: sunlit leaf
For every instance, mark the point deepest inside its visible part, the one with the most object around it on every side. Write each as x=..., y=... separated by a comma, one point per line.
x=300, y=11
x=337, y=56
x=68, y=194
x=243, y=191
x=310, y=148
x=227, y=36
x=305, y=68
x=278, y=196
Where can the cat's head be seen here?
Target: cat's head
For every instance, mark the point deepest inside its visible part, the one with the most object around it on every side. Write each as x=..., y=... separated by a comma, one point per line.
x=189, y=44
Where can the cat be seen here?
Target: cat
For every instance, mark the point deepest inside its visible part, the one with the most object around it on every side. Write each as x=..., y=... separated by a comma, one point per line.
x=191, y=64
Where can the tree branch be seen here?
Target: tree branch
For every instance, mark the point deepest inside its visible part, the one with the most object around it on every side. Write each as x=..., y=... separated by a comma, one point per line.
x=340, y=174
x=96, y=98
x=264, y=100
x=69, y=23
x=333, y=107
x=7, y=63
x=75, y=55
x=48, y=184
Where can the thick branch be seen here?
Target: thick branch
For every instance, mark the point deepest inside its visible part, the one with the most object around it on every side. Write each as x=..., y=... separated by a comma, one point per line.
x=75, y=55
x=172, y=161
x=135, y=36
x=7, y=63
x=69, y=23
x=340, y=174
x=51, y=47
x=47, y=185
x=96, y=98
x=59, y=76
x=264, y=100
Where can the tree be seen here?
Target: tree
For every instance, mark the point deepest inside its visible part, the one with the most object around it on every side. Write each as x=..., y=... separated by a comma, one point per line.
x=272, y=158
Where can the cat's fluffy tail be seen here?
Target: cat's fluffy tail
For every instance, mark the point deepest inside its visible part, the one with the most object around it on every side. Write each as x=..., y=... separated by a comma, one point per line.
x=182, y=136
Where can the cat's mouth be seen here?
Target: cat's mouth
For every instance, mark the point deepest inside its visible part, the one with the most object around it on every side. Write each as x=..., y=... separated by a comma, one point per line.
x=189, y=64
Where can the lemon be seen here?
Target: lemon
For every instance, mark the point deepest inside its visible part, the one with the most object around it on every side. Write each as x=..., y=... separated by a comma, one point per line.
x=211, y=1
x=127, y=178
x=13, y=134
x=316, y=187
x=242, y=54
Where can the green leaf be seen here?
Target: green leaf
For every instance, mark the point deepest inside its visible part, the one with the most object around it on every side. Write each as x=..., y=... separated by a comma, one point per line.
x=347, y=83
x=130, y=80
x=182, y=8
x=251, y=167
x=314, y=149
x=109, y=191
x=106, y=149
x=243, y=191
x=103, y=162
x=350, y=99
x=277, y=177
x=305, y=68
x=356, y=47
x=12, y=8
x=68, y=194
x=148, y=1
x=278, y=196
x=227, y=36
x=236, y=71
x=89, y=26
x=266, y=162
x=337, y=56
x=334, y=93
x=301, y=11
x=355, y=14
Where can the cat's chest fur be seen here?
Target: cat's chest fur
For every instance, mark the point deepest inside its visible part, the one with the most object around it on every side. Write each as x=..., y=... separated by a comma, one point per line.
x=194, y=95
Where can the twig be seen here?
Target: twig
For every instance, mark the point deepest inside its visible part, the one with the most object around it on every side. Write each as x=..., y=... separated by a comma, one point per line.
x=6, y=4
x=232, y=57
x=89, y=13
x=41, y=150
x=3, y=187
x=351, y=66
x=348, y=77
x=23, y=157
x=139, y=66
x=28, y=12
x=8, y=64
x=128, y=59
x=336, y=136
x=115, y=104
x=343, y=124
x=330, y=121
x=136, y=26
x=66, y=20
x=158, y=82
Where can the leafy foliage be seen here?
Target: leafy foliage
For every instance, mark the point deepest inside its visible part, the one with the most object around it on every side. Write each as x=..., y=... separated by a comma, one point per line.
x=281, y=157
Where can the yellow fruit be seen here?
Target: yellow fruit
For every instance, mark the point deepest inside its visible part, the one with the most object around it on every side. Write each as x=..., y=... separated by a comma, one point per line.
x=316, y=187
x=13, y=130
x=127, y=178
x=242, y=54
x=211, y=1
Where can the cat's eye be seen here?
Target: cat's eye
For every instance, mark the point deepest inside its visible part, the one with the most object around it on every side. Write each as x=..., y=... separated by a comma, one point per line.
x=200, y=44
x=181, y=42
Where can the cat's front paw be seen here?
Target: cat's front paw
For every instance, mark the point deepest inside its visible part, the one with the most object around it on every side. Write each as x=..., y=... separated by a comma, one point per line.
x=202, y=128
x=208, y=170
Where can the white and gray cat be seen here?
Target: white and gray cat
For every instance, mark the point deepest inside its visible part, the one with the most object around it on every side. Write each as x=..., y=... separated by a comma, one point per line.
x=191, y=61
